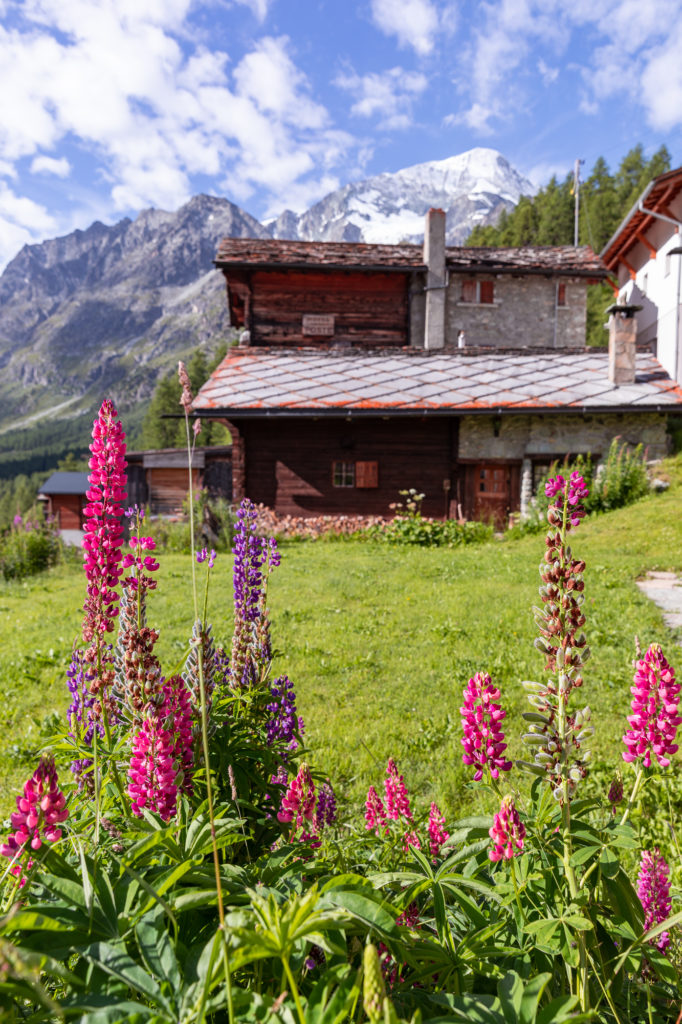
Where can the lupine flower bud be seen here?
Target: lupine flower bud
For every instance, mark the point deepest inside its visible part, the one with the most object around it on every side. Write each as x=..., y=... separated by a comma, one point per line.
x=615, y=794
x=483, y=739
x=507, y=832
x=654, y=719
x=373, y=988
x=653, y=889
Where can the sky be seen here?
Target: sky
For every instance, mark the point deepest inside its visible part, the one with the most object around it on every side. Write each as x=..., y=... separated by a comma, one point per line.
x=113, y=106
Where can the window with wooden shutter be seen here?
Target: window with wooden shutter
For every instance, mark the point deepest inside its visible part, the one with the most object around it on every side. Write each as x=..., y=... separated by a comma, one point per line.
x=366, y=474
x=343, y=473
x=468, y=291
x=486, y=293
x=561, y=294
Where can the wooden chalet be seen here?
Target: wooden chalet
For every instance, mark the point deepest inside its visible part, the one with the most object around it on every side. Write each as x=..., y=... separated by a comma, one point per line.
x=158, y=478
x=366, y=369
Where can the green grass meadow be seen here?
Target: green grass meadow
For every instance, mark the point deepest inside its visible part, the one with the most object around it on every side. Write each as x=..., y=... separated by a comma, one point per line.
x=378, y=640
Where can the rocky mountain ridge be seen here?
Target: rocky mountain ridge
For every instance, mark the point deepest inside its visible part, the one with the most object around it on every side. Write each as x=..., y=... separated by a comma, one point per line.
x=108, y=310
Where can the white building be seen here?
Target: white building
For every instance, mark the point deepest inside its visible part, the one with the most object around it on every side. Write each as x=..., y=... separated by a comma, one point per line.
x=645, y=256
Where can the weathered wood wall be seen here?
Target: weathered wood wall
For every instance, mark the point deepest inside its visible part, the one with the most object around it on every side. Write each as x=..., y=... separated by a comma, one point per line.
x=369, y=308
x=289, y=462
x=67, y=509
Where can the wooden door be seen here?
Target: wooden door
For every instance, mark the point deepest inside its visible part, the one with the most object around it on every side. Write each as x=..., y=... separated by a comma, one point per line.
x=492, y=494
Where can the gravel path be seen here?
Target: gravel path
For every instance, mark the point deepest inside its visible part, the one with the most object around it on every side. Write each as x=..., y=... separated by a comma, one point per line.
x=665, y=589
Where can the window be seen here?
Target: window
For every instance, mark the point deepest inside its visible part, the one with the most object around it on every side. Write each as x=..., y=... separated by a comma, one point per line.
x=363, y=475
x=667, y=264
x=561, y=294
x=476, y=293
x=343, y=474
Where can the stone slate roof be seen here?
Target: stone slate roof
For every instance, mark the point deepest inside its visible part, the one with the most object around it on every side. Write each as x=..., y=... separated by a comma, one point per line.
x=65, y=482
x=266, y=382
x=555, y=259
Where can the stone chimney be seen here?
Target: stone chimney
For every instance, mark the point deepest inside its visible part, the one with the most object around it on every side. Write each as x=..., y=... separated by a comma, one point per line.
x=622, y=343
x=436, y=283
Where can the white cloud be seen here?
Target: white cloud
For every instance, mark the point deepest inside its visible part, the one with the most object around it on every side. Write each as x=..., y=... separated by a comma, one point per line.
x=60, y=167
x=541, y=173
x=413, y=22
x=388, y=95
x=125, y=81
x=549, y=75
x=22, y=221
x=259, y=8
x=628, y=46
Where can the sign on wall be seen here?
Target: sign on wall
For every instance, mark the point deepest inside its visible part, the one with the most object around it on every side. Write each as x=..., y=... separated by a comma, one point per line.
x=318, y=324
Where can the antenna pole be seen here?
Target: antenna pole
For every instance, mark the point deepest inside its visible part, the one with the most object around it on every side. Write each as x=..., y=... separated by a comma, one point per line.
x=576, y=192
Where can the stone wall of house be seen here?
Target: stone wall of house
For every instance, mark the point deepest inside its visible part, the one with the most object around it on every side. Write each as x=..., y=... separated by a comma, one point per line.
x=520, y=436
x=524, y=312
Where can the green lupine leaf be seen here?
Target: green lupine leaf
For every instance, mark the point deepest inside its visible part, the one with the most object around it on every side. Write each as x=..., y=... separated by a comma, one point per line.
x=116, y=962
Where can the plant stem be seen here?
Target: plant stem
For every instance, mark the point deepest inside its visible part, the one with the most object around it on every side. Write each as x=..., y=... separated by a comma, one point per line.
x=633, y=796
x=204, y=740
x=294, y=990
x=516, y=892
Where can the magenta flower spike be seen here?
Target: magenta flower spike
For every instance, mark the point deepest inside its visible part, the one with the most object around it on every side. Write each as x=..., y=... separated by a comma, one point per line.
x=40, y=811
x=483, y=739
x=298, y=803
x=375, y=812
x=654, y=719
x=397, y=799
x=103, y=530
x=653, y=889
x=162, y=756
x=437, y=833
x=508, y=832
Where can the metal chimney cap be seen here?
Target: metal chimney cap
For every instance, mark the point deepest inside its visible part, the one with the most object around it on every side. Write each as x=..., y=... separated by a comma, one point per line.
x=627, y=310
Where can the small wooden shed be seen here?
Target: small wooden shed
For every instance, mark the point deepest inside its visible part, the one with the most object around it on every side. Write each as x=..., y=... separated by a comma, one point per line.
x=64, y=496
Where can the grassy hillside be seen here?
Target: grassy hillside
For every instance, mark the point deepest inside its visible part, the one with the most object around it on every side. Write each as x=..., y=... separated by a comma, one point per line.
x=378, y=641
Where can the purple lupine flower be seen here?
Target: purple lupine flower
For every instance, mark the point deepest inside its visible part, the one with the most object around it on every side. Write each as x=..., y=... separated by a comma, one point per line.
x=554, y=486
x=653, y=889
x=82, y=709
x=283, y=722
x=254, y=560
x=211, y=558
x=325, y=812
x=483, y=739
x=202, y=555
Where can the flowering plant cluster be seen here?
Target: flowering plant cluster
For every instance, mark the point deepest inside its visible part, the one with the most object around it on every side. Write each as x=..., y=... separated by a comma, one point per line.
x=192, y=865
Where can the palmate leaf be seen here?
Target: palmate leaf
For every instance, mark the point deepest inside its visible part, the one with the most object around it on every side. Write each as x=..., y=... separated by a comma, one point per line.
x=115, y=961
x=332, y=998
x=156, y=948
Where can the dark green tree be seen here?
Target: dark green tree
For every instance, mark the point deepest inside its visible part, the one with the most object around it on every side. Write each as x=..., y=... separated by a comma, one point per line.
x=162, y=426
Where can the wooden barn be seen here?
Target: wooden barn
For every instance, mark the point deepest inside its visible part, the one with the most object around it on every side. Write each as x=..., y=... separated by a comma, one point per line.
x=366, y=369
x=63, y=497
x=158, y=478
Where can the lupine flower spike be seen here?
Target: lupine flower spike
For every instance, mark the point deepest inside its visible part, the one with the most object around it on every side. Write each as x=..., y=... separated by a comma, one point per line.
x=508, y=832
x=103, y=537
x=654, y=719
x=653, y=889
x=437, y=833
x=298, y=803
x=40, y=811
x=483, y=739
x=397, y=799
x=558, y=738
x=375, y=813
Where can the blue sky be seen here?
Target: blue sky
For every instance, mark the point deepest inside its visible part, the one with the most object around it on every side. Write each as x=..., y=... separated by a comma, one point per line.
x=111, y=106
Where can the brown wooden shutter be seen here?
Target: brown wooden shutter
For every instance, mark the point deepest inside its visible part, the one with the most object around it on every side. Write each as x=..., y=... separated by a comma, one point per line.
x=486, y=292
x=468, y=291
x=561, y=294
x=366, y=474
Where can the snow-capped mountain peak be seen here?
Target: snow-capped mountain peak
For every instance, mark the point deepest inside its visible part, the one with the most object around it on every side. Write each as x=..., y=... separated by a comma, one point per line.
x=472, y=187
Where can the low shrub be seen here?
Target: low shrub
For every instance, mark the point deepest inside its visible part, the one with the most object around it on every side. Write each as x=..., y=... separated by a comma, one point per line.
x=29, y=546
x=409, y=526
x=192, y=863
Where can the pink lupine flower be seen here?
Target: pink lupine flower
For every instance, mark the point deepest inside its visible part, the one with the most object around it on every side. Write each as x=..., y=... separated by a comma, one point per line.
x=162, y=758
x=39, y=812
x=298, y=803
x=375, y=812
x=483, y=739
x=555, y=485
x=507, y=832
x=653, y=889
x=397, y=799
x=437, y=834
x=576, y=489
x=411, y=839
x=103, y=530
x=654, y=719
